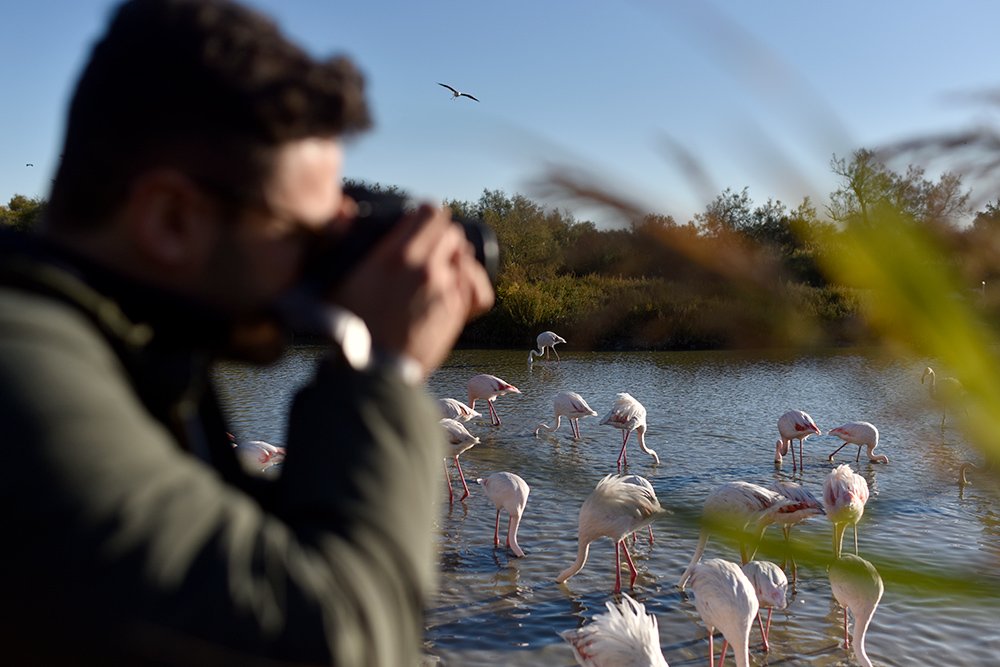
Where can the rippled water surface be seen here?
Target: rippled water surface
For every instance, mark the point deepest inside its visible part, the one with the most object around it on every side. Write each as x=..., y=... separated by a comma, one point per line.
x=712, y=418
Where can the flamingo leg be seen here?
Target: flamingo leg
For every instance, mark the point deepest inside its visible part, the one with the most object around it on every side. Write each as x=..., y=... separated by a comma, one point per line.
x=830, y=457
x=462, y=476
x=791, y=448
x=631, y=566
x=763, y=634
x=650, y=535
x=847, y=638
x=555, y=352
x=802, y=461
x=623, y=455
x=496, y=531
x=447, y=480
x=575, y=423
x=494, y=417
x=767, y=628
x=722, y=656
x=711, y=648
x=618, y=570
x=855, y=539
x=857, y=458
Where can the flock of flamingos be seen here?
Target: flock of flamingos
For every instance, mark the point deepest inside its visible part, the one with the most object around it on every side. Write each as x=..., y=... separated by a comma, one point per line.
x=728, y=596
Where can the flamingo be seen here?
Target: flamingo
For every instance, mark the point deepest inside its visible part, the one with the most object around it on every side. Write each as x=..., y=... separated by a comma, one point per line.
x=455, y=409
x=256, y=456
x=547, y=340
x=739, y=507
x=624, y=635
x=794, y=425
x=643, y=482
x=725, y=599
x=857, y=586
x=571, y=405
x=949, y=394
x=507, y=491
x=963, y=470
x=771, y=586
x=456, y=94
x=807, y=505
x=844, y=496
x=629, y=415
x=459, y=440
x=613, y=509
x=862, y=434
x=488, y=387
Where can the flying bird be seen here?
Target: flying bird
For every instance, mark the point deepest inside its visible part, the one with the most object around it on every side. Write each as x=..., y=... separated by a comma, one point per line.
x=949, y=394
x=509, y=492
x=455, y=409
x=628, y=414
x=614, y=509
x=624, y=636
x=571, y=405
x=488, y=388
x=862, y=434
x=844, y=496
x=459, y=440
x=29, y=165
x=456, y=94
x=725, y=599
x=857, y=586
x=771, y=586
x=546, y=341
x=794, y=425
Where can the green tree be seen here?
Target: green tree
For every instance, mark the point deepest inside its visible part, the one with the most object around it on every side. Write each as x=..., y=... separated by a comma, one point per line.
x=22, y=213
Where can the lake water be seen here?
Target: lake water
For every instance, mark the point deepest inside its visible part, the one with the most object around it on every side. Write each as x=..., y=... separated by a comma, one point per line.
x=712, y=419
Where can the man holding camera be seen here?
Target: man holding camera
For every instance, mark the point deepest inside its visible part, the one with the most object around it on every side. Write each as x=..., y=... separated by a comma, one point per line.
x=201, y=164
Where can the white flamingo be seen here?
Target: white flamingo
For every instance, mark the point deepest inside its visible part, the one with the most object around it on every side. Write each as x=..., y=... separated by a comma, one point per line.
x=806, y=505
x=258, y=457
x=725, y=599
x=456, y=94
x=547, y=340
x=949, y=394
x=624, y=636
x=488, y=388
x=613, y=509
x=509, y=492
x=571, y=405
x=643, y=482
x=459, y=440
x=844, y=496
x=771, y=586
x=862, y=434
x=794, y=425
x=455, y=409
x=857, y=586
x=628, y=414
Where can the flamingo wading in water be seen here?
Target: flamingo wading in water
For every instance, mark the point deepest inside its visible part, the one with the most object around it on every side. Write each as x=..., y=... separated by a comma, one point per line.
x=624, y=635
x=455, y=409
x=771, y=587
x=571, y=405
x=488, y=388
x=547, y=340
x=725, y=599
x=628, y=414
x=845, y=494
x=507, y=491
x=459, y=440
x=857, y=586
x=794, y=425
x=807, y=505
x=862, y=434
x=949, y=394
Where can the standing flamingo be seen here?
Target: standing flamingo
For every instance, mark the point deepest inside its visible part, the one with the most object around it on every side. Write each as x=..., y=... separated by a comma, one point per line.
x=613, y=509
x=737, y=507
x=806, y=505
x=546, y=341
x=628, y=414
x=857, y=586
x=862, y=434
x=725, y=599
x=624, y=635
x=948, y=395
x=455, y=409
x=507, y=491
x=571, y=405
x=459, y=439
x=488, y=387
x=844, y=496
x=771, y=586
x=794, y=425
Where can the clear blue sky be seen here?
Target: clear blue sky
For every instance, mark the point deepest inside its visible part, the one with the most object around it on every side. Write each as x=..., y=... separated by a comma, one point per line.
x=761, y=93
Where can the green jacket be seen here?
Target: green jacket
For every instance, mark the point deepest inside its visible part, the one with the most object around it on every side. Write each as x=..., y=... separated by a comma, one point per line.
x=133, y=537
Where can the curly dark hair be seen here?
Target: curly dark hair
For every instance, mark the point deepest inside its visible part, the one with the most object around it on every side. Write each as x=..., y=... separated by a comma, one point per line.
x=206, y=86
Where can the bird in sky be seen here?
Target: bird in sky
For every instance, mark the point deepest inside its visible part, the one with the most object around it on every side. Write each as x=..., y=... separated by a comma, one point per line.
x=771, y=586
x=455, y=409
x=547, y=340
x=614, y=509
x=626, y=635
x=725, y=599
x=628, y=414
x=488, y=388
x=794, y=425
x=949, y=394
x=857, y=586
x=845, y=494
x=29, y=165
x=459, y=440
x=508, y=492
x=456, y=94
x=862, y=434
x=571, y=405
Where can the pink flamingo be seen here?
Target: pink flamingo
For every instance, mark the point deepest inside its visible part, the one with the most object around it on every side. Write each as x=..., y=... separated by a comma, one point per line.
x=459, y=440
x=806, y=505
x=546, y=341
x=794, y=425
x=571, y=405
x=507, y=491
x=771, y=586
x=862, y=434
x=844, y=496
x=624, y=635
x=256, y=456
x=628, y=414
x=488, y=387
x=455, y=409
x=725, y=599
x=857, y=586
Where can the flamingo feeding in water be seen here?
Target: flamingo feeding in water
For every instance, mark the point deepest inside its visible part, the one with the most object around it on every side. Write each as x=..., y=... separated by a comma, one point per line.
x=794, y=425
x=949, y=394
x=771, y=586
x=857, y=586
x=455, y=409
x=509, y=492
x=547, y=340
x=725, y=599
x=844, y=496
x=807, y=505
x=571, y=405
x=614, y=509
x=862, y=434
x=624, y=635
x=459, y=440
x=628, y=414
x=643, y=482
x=488, y=387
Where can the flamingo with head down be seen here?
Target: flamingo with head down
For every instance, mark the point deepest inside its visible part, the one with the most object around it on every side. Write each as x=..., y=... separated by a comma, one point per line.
x=571, y=405
x=794, y=425
x=862, y=434
x=508, y=492
x=627, y=414
x=459, y=440
x=547, y=340
x=488, y=388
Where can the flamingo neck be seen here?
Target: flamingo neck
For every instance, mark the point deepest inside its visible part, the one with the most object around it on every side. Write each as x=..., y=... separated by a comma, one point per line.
x=515, y=521
x=581, y=559
x=698, y=550
x=858, y=638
